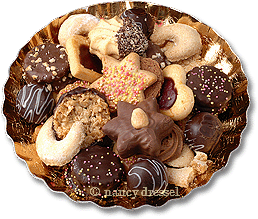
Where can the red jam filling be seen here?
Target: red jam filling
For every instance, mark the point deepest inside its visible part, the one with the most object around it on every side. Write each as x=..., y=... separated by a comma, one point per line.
x=168, y=94
x=88, y=60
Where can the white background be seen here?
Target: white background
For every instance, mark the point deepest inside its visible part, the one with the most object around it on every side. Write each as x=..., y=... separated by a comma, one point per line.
x=231, y=192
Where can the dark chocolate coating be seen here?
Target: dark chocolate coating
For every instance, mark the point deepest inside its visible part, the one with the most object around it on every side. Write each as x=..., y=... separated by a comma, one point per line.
x=142, y=19
x=35, y=103
x=130, y=38
x=79, y=90
x=203, y=132
x=146, y=140
x=147, y=174
x=94, y=166
x=154, y=52
x=46, y=63
x=211, y=87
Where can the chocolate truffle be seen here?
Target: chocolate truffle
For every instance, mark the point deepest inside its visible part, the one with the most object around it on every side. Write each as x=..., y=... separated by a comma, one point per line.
x=35, y=103
x=147, y=174
x=203, y=132
x=211, y=87
x=46, y=63
x=94, y=167
x=141, y=18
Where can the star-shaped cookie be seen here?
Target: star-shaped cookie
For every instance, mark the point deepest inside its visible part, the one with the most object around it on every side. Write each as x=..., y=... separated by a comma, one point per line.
x=139, y=129
x=123, y=80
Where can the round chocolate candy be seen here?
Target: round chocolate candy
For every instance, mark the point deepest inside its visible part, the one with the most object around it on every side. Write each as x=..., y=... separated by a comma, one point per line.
x=142, y=19
x=35, y=103
x=203, y=132
x=147, y=174
x=46, y=63
x=94, y=170
x=211, y=87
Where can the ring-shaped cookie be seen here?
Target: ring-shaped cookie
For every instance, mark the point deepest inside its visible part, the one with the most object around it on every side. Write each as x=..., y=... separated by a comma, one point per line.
x=59, y=153
x=177, y=41
x=79, y=24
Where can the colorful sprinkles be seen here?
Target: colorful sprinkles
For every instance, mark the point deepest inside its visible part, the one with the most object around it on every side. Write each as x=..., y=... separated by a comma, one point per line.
x=95, y=166
x=211, y=87
x=122, y=83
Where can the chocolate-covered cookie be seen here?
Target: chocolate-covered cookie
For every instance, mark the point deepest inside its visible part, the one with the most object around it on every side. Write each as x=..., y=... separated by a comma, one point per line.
x=130, y=38
x=142, y=19
x=94, y=167
x=211, y=87
x=152, y=66
x=139, y=129
x=203, y=131
x=147, y=174
x=154, y=52
x=35, y=103
x=46, y=63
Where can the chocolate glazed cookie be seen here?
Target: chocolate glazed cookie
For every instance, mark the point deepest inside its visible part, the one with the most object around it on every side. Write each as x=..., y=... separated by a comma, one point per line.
x=94, y=170
x=211, y=87
x=46, y=63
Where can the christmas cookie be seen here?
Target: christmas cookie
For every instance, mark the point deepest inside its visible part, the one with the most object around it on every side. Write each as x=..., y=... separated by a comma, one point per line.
x=176, y=99
x=94, y=171
x=46, y=63
x=35, y=103
x=123, y=80
x=211, y=87
x=82, y=104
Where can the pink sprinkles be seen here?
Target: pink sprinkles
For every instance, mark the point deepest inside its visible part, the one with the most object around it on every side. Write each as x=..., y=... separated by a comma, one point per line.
x=122, y=83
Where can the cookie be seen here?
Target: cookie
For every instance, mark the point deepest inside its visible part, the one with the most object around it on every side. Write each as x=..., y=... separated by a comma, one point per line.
x=154, y=52
x=83, y=65
x=78, y=24
x=147, y=174
x=35, y=103
x=139, y=129
x=46, y=63
x=172, y=145
x=141, y=18
x=85, y=105
x=152, y=66
x=183, y=175
x=94, y=167
x=102, y=37
x=177, y=41
x=54, y=152
x=203, y=131
x=176, y=99
x=123, y=80
x=130, y=38
x=211, y=87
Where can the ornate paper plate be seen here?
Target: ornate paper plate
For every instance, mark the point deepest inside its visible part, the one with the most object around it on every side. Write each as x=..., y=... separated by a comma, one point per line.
x=216, y=51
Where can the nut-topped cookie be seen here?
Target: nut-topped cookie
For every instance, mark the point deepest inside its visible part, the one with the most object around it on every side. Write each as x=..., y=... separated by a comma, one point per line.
x=46, y=63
